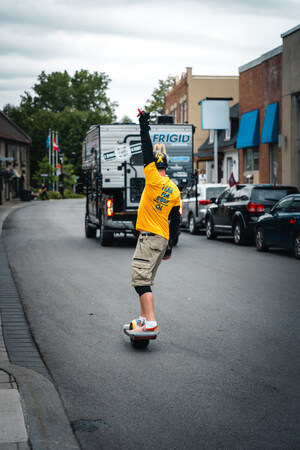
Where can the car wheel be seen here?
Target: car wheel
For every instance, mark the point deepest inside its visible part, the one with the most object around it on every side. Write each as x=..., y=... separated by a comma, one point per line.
x=106, y=238
x=192, y=224
x=209, y=230
x=90, y=231
x=260, y=240
x=238, y=233
x=297, y=246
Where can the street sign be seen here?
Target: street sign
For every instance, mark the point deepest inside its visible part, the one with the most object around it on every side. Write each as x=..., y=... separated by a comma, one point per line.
x=6, y=159
x=44, y=175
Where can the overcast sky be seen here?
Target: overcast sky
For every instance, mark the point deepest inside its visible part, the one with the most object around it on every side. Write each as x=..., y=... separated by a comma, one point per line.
x=135, y=42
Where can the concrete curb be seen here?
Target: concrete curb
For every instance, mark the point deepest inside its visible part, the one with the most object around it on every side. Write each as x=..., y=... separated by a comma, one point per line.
x=47, y=424
x=21, y=366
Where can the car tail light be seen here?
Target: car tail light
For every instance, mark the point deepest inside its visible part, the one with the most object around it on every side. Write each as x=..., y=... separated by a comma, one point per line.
x=109, y=207
x=204, y=202
x=255, y=207
x=180, y=207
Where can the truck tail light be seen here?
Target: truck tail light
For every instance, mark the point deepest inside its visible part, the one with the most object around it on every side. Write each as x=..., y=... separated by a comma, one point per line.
x=204, y=202
x=109, y=207
x=255, y=207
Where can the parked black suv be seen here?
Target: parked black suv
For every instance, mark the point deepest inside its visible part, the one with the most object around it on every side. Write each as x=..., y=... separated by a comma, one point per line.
x=237, y=209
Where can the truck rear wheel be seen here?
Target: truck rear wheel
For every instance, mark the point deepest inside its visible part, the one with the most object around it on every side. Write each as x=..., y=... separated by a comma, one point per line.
x=106, y=237
x=90, y=231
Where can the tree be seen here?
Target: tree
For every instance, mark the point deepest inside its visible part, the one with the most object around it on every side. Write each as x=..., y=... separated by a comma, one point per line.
x=45, y=173
x=126, y=119
x=157, y=102
x=68, y=105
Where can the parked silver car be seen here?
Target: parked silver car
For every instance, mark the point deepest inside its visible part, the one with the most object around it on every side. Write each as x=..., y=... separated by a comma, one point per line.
x=194, y=209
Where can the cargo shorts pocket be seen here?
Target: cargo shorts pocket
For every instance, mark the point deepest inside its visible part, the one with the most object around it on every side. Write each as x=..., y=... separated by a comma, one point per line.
x=141, y=274
x=158, y=243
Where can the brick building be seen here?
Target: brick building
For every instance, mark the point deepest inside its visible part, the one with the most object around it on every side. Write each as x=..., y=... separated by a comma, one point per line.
x=182, y=101
x=290, y=138
x=260, y=110
x=14, y=160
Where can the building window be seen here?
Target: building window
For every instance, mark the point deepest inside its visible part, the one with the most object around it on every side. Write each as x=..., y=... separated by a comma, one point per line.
x=274, y=163
x=183, y=112
x=22, y=155
x=251, y=159
x=14, y=152
x=175, y=115
x=211, y=136
x=228, y=133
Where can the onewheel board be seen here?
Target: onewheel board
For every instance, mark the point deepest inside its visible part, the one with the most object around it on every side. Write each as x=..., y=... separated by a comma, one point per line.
x=139, y=339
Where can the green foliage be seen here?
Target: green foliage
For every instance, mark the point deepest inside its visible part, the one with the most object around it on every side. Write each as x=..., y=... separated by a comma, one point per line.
x=68, y=105
x=55, y=195
x=69, y=177
x=157, y=102
x=44, y=168
x=126, y=119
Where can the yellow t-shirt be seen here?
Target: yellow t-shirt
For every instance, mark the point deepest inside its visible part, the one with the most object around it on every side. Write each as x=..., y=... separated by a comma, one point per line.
x=159, y=196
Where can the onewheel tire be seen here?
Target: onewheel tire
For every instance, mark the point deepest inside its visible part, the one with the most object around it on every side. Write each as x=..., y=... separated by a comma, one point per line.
x=141, y=343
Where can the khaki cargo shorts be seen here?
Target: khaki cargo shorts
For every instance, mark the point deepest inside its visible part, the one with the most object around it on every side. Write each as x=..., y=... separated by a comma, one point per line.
x=147, y=257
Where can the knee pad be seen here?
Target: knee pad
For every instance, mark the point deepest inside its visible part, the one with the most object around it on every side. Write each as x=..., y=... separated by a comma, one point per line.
x=142, y=289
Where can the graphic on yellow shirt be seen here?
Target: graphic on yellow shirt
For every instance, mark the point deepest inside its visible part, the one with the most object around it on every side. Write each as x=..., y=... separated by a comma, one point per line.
x=158, y=198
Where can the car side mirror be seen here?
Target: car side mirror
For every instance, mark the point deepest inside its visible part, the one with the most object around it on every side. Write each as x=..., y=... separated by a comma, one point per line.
x=213, y=200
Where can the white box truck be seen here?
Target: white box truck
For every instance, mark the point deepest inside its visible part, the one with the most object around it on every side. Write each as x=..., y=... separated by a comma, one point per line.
x=114, y=176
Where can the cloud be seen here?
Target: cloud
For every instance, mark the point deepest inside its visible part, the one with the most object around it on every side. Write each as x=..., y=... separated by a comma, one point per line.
x=136, y=43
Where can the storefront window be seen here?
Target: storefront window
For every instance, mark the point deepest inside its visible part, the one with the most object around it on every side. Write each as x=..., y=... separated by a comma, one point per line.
x=14, y=152
x=251, y=159
x=273, y=163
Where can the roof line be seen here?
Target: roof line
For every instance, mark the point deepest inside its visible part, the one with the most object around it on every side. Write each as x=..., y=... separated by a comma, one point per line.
x=16, y=126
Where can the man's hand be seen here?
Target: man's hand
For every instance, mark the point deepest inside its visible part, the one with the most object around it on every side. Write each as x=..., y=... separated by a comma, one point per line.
x=144, y=117
x=168, y=252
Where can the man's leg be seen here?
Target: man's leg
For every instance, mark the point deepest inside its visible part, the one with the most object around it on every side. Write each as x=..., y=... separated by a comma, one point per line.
x=147, y=306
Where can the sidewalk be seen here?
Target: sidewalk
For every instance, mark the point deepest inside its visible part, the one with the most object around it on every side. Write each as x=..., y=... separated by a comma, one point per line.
x=31, y=411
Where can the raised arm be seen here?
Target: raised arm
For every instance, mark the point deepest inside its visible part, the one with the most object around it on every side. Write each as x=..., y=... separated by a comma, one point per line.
x=147, y=147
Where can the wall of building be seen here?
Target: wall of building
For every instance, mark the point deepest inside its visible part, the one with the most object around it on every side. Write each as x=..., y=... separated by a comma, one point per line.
x=195, y=88
x=15, y=175
x=291, y=107
x=260, y=84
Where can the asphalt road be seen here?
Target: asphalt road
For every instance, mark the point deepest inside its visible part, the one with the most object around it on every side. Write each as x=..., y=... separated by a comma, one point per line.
x=224, y=372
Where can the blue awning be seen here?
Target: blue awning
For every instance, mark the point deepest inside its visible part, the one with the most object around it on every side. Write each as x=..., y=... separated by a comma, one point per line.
x=271, y=124
x=248, y=135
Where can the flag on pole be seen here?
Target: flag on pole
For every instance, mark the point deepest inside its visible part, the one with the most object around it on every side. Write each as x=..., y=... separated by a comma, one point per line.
x=55, y=144
x=48, y=141
x=57, y=141
x=231, y=180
